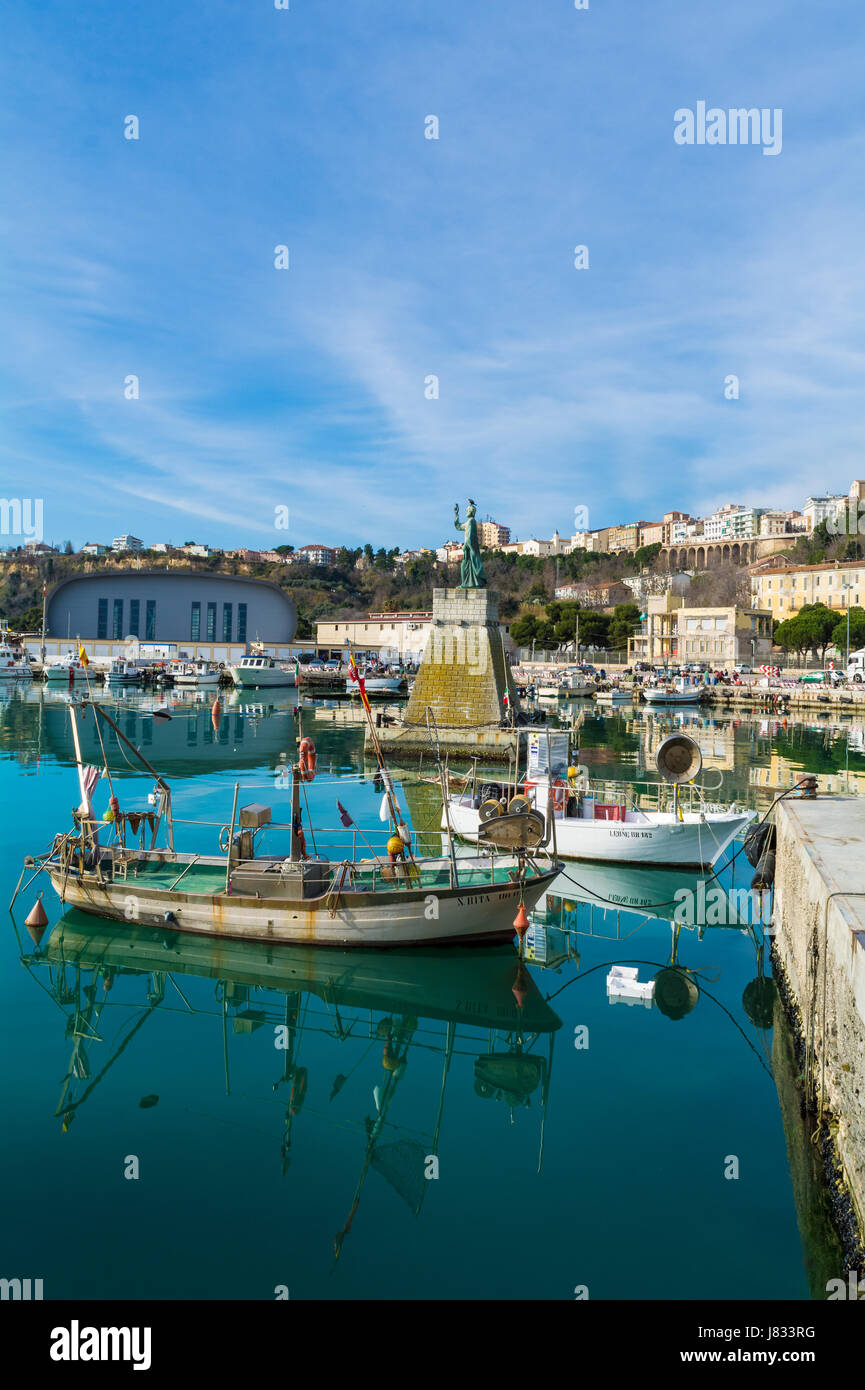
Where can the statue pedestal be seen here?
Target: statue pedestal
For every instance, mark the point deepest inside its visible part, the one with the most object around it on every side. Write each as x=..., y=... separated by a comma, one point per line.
x=463, y=680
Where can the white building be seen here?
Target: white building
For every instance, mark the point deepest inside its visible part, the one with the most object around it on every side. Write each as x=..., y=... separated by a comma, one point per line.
x=121, y=543
x=94, y=548
x=821, y=508
x=317, y=554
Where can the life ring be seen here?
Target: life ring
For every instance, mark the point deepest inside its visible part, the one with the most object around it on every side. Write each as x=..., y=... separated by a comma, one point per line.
x=306, y=754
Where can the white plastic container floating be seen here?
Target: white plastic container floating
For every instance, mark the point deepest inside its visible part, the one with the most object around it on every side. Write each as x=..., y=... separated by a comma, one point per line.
x=623, y=986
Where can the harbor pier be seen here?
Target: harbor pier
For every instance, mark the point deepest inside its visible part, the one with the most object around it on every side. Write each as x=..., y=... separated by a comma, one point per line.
x=819, y=954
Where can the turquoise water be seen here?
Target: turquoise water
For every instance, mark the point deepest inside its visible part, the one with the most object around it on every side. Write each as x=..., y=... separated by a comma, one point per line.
x=304, y=1166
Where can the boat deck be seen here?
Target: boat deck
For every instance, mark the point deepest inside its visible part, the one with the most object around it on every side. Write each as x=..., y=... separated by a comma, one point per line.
x=210, y=878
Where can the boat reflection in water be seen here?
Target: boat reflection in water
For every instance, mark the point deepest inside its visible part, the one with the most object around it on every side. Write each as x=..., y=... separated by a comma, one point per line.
x=476, y=1002
x=608, y=902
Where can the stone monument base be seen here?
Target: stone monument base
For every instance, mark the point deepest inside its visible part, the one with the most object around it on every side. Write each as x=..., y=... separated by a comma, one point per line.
x=464, y=688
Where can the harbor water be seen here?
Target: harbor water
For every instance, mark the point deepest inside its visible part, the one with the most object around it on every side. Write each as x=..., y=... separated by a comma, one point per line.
x=202, y=1119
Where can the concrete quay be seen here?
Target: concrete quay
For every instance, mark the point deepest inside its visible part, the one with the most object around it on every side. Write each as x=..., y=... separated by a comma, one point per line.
x=819, y=953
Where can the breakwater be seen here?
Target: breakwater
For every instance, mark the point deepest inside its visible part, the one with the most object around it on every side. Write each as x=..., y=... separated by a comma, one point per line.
x=819, y=955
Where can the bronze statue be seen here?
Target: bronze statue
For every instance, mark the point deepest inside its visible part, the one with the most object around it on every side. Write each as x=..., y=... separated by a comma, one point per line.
x=472, y=574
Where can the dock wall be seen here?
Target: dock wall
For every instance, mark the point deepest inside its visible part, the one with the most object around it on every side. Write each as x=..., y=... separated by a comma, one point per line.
x=819, y=923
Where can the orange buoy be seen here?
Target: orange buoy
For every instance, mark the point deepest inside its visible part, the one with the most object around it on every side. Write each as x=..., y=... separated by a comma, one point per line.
x=306, y=755
x=36, y=921
x=521, y=921
x=216, y=713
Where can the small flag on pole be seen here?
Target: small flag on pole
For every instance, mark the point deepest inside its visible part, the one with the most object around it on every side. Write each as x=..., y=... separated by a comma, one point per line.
x=343, y=815
x=82, y=655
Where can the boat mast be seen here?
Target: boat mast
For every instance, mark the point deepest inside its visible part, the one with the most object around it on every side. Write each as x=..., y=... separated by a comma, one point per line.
x=160, y=781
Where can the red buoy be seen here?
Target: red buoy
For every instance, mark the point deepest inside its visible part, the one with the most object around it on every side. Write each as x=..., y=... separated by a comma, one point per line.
x=216, y=713
x=36, y=921
x=521, y=921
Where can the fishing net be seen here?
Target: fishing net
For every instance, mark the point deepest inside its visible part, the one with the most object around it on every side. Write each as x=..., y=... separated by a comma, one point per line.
x=402, y=1165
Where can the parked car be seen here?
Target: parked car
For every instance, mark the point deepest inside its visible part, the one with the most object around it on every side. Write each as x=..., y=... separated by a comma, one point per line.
x=743, y=669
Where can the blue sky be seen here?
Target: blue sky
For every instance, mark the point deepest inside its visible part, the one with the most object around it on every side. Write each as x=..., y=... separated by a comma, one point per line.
x=409, y=257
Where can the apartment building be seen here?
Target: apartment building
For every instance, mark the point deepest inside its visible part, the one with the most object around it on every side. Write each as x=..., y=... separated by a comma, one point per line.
x=492, y=536
x=783, y=588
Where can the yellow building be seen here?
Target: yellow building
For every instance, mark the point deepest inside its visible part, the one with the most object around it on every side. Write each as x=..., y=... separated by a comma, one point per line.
x=783, y=588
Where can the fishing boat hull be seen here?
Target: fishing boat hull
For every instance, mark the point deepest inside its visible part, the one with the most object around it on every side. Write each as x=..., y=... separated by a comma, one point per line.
x=658, y=838
x=198, y=682
x=672, y=697
x=409, y=917
x=377, y=686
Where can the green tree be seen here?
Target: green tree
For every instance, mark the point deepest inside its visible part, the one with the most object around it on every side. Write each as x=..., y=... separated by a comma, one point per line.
x=857, y=631
x=645, y=555
x=524, y=630
x=820, y=623
x=792, y=634
x=594, y=629
x=625, y=621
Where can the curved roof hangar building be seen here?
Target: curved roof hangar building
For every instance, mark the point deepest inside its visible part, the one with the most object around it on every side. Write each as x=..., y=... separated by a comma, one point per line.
x=183, y=606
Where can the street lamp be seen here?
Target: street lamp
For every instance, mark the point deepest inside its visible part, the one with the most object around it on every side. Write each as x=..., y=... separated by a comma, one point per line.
x=846, y=589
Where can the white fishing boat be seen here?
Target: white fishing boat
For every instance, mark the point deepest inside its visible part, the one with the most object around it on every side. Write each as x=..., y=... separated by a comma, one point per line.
x=65, y=670
x=626, y=823
x=394, y=897
x=195, y=675
x=676, y=692
x=258, y=671
x=14, y=664
x=121, y=672
x=577, y=687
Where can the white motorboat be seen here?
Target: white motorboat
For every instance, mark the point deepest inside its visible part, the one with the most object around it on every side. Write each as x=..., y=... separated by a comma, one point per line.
x=13, y=664
x=605, y=820
x=260, y=670
x=65, y=670
x=614, y=697
x=195, y=675
x=676, y=692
